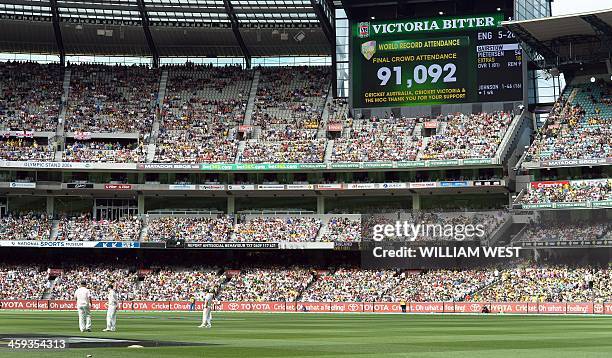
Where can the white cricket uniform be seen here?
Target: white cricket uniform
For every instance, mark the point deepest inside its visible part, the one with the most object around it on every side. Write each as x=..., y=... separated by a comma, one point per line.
x=83, y=297
x=111, y=310
x=207, y=313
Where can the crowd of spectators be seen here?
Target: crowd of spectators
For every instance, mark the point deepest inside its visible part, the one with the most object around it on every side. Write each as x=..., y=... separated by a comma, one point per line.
x=20, y=149
x=453, y=226
x=26, y=226
x=350, y=285
x=30, y=95
x=292, y=96
x=168, y=284
x=579, y=126
x=97, y=278
x=202, y=229
x=112, y=98
x=296, y=151
x=440, y=285
x=518, y=282
x=468, y=136
x=84, y=228
x=564, y=231
x=104, y=152
x=550, y=283
x=22, y=282
x=342, y=229
x=275, y=229
x=569, y=191
x=202, y=108
x=377, y=139
x=266, y=285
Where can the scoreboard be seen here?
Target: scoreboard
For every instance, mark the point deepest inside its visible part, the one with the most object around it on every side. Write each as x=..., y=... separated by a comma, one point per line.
x=434, y=61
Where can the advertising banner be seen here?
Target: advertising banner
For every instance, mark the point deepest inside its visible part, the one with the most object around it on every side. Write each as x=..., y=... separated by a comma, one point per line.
x=337, y=307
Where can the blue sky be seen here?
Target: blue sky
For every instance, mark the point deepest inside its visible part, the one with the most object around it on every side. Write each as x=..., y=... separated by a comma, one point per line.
x=564, y=7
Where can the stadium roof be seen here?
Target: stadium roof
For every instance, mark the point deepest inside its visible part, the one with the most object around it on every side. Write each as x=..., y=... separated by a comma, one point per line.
x=224, y=28
x=566, y=40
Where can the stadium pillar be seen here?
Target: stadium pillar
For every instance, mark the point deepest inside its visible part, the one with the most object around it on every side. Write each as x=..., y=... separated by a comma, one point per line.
x=416, y=202
x=231, y=205
x=320, y=204
x=141, y=204
x=50, y=205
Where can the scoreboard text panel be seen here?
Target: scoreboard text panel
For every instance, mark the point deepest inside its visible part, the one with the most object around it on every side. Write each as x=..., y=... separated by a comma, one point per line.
x=435, y=61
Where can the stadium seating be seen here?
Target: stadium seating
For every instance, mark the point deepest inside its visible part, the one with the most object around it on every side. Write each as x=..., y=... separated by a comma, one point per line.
x=350, y=285
x=515, y=282
x=30, y=95
x=378, y=140
x=294, y=229
x=568, y=191
x=578, y=127
x=266, y=285
x=83, y=228
x=202, y=107
x=173, y=284
x=22, y=282
x=112, y=99
x=564, y=231
x=23, y=149
x=25, y=226
x=97, y=278
x=549, y=284
x=104, y=152
x=203, y=229
x=440, y=285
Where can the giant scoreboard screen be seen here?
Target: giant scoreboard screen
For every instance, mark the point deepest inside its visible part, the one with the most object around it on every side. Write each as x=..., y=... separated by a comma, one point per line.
x=434, y=61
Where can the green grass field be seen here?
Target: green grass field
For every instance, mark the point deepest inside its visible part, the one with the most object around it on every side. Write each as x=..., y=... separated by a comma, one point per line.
x=247, y=335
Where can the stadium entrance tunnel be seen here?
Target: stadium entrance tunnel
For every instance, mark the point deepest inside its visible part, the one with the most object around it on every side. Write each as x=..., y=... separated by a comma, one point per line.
x=99, y=342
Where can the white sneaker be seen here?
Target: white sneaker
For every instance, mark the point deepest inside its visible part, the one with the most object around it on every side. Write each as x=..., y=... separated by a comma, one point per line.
x=105, y=330
x=201, y=326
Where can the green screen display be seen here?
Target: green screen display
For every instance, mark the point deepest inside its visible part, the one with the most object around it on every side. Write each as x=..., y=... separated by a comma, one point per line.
x=434, y=61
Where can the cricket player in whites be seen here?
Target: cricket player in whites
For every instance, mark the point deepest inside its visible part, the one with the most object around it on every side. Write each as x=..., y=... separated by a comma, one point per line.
x=83, y=302
x=111, y=310
x=207, y=313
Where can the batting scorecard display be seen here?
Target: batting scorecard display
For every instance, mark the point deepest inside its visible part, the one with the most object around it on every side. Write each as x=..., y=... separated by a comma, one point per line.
x=435, y=61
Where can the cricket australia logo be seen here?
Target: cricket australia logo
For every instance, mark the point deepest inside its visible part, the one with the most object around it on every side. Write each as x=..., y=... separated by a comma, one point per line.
x=368, y=49
x=364, y=30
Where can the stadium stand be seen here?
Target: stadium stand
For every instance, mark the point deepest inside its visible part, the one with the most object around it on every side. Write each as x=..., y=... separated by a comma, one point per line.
x=98, y=278
x=288, y=109
x=564, y=231
x=266, y=285
x=25, y=226
x=568, y=191
x=517, y=282
x=202, y=108
x=378, y=140
x=104, y=152
x=295, y=229
x=111, y=99
x=174, y=284
x=84, y=228
x=350, y=285
x=202, y=229
x=22, y=282
x=30, y=95
x=579, y=125
x=25, y=149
